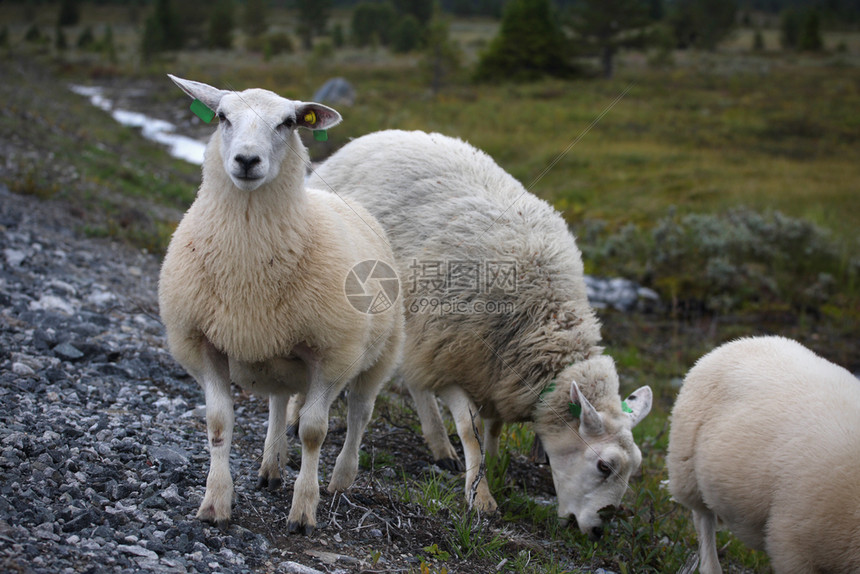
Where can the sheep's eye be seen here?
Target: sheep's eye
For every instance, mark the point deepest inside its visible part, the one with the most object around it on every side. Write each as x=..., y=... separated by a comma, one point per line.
x=222, y=117
x=604, y=468
x=288, y=123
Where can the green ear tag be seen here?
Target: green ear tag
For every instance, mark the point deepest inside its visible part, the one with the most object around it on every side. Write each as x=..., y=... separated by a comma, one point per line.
x=321, y=135
x=202, y=111
x=575, y=410
x=625, y=407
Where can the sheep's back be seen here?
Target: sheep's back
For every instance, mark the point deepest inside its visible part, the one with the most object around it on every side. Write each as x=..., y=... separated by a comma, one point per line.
x=443, y=202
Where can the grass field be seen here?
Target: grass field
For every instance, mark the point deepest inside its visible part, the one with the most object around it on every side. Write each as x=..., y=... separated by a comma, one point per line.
x=705, y=133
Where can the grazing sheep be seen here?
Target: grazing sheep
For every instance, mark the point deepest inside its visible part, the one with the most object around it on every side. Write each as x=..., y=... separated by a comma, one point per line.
x=252, y=290
x=498, y=322
x=766, y=437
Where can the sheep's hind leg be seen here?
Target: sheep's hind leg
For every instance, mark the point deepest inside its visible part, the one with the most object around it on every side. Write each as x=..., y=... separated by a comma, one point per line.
x=434, y=431
x=492, y=432
x=362, y=395
x=215, y=380
x=464, y=410
x=706, y=530
x=294, y=408
x=275, y=449
x=312, y=432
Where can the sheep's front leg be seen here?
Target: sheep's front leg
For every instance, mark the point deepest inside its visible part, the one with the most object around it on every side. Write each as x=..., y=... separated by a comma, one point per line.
x=463, y=410
x=215, y=380
x=434, y=431
x=275, y=449
x=313, y=426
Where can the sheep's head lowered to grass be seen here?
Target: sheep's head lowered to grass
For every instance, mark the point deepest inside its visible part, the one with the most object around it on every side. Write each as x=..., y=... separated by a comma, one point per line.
x=591, y=452
x=257, y=129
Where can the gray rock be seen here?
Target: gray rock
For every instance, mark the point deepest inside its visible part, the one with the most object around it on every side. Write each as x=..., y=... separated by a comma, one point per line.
x=23, y=369
x=173, y=456
x=68, y=352
x=137, y=550
x=337, y=92
x=296, y=568
x=14, y=257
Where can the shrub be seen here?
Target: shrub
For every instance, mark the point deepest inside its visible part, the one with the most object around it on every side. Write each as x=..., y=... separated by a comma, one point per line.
x=758, y=41
x=702, y=23
x=406, y=35
x=789, y=29
x=337, y=35
x=254, y=21
x=279, y=43
x=741, y=259
x=221, y=25
x=86, y=39
x=810, y=34
x=162, y=31
x=60, y=42
x=107, y=45
x=33, y=35
x=372, y=22
x=69, y=14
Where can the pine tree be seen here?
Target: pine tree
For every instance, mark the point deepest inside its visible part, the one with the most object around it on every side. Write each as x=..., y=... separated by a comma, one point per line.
x=441, y=56
x=606, y=26
x=810, y=34
x=312, y=19
x=255, y=23
x=221, y=25
x=60, y=42
x=70, y=13
x=530, y=44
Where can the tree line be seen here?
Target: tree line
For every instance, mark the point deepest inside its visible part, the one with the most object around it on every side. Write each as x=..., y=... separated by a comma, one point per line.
x=536, y=37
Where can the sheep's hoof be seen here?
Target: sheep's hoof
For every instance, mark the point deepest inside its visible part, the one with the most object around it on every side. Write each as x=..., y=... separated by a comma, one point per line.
x=207, y=513
x=223, y=524
x=486, y=506
x=450, y=464
x=272, y=484
x=302, y=528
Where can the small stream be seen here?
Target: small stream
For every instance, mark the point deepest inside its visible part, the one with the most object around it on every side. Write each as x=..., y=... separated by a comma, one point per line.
x=160, y=131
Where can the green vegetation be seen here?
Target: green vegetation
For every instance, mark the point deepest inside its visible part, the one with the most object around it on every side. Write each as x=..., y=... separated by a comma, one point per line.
x=530, y=45
x=725, y=179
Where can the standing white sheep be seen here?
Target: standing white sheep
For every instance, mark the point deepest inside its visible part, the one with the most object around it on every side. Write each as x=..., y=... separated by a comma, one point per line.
x=766, y=437
x=498, y=322
x=253, y=289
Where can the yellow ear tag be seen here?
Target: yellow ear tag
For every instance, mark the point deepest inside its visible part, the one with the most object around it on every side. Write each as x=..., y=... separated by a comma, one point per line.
x=311, y=117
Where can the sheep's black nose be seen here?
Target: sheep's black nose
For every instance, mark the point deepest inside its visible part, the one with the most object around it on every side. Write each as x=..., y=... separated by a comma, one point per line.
x=247, y=162
x=595, y=533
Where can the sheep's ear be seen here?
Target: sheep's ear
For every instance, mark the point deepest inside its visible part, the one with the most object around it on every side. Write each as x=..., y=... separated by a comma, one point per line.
x=316, y=116
x=590, y=420
x=200, y=91
x=638, y=404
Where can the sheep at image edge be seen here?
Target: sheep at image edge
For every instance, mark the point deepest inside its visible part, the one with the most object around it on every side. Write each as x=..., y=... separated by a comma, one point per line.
x=252, y=290
x=765, y=437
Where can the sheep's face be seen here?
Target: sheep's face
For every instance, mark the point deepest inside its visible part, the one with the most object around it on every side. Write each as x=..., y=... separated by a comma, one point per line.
x=591, y=468
x=256, y=129
x=256, y=134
